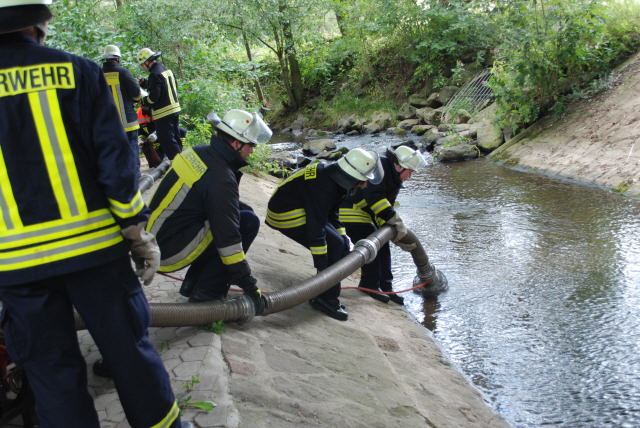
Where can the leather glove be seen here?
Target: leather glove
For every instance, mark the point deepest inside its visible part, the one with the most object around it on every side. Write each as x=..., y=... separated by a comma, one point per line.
x=406, y=247
x=398, y=224
x=248, y=285
x=347, y=242
x=144, y=251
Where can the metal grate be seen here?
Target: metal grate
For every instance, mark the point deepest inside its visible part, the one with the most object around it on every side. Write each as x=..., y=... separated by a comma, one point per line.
x=474, y=95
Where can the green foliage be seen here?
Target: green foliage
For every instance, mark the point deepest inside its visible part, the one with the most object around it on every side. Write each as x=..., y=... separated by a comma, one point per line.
x=552, y=49
x=260, y=161
x=623, y=186
x=185, y=402
x=216, y=327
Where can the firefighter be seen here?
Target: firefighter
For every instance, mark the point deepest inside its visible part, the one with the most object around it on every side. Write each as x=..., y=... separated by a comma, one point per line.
x=367, y=209
x=163, y=100
x=198, y=217
x=150, y=147
x=125, y=90
x=304, y=207
x=69, y=215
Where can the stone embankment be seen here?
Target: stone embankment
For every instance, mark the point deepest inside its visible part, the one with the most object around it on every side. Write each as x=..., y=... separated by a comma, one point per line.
x=300, y=368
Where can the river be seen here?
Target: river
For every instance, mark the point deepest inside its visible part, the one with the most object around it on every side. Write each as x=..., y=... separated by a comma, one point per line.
x=542, y=314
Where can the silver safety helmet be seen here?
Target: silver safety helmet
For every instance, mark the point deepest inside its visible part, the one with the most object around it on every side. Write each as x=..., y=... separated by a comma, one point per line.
x=111, y=52
x=17, y=15
x=244, y=126
x=409, y=158
x=363, y=165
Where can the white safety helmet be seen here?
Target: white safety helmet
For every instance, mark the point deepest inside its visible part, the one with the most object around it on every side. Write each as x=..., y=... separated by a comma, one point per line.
x=147, y=54
x=409, y=158
x=20, y=18
x=243, y=126
x=363, y=165
x=111, y=52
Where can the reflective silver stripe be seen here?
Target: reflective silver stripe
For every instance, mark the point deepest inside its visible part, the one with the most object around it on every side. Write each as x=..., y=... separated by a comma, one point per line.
x=15, y=239
x=188, y=249
x=6, y=215
x=58, y=155
x=127, y=210
x=170, y=209
x=230, y=250
x=43, y=254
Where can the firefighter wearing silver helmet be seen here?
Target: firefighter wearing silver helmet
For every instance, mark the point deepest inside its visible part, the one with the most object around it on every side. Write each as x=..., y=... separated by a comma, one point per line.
x=163, y=101
x=126, y=91
x=70, y=216
x=305, y=205
x=367, y=209
x=197, y=215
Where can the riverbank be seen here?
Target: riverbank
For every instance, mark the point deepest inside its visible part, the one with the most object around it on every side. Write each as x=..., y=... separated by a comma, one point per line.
x=300, y=368
x=595, y=142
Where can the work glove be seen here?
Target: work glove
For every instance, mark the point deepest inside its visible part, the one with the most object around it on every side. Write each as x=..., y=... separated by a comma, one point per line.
x=248, y=284
x=398, y=224
x=153, y=137
x=406, y=247
x=347, y=242
x=144, y=251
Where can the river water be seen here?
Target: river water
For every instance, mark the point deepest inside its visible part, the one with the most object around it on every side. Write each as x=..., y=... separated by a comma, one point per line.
x=543, y=310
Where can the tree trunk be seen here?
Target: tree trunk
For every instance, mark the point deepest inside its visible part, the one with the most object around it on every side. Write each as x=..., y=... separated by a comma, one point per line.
x=256, y=81
x=294, y=67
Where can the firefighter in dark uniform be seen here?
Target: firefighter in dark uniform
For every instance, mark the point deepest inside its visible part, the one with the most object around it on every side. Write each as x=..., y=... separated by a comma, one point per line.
x=150, y=145
x=197, y=215
x=69, y=215
x=125, y=90
x=163, y=100
x=304, y=207
x=367, y=209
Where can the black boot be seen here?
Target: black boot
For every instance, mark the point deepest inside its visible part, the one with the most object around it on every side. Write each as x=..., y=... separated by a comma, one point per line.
x=396, y=299
x=384, y=298
x=332, y=307
x=101, y=369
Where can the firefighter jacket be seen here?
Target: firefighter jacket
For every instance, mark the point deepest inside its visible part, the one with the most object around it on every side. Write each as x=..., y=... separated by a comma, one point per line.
x=125, y=90
x=197, y=205
x=163, y=93
x=64, y=195
x=373, y=204
x=309, y=198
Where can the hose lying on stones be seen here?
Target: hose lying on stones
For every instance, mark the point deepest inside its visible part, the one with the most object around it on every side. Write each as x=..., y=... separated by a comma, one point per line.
x=241, y=308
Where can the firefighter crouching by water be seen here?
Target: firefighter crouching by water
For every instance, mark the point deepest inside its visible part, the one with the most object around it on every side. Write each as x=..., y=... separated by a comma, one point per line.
x=69, y=214
x=198, y=217
x=304, y=207
x=367, y=209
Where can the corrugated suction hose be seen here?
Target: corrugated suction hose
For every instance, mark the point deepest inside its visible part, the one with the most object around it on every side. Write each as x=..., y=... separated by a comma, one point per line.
x=241, y=308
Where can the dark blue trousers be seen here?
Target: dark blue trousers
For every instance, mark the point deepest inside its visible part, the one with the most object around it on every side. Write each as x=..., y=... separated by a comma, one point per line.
x=41, y=337
x=207, y=277
x=376, y=274
x=336, y=250
x=132, y=136
x=168, y=135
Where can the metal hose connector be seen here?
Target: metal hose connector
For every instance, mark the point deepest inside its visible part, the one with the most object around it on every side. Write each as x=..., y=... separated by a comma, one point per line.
x=147, y=180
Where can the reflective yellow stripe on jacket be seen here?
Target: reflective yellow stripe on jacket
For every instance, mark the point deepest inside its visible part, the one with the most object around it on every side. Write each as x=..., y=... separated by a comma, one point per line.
x=189, y=168
x=113, y=80
x=286, y=220
x=174, y=104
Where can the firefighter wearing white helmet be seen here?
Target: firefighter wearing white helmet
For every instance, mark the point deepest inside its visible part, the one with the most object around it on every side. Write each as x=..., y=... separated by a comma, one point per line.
x=305, y=205
x=163, y=101
x=367, y=209
x=70, y=217
x=126, y=91
x=198, y=218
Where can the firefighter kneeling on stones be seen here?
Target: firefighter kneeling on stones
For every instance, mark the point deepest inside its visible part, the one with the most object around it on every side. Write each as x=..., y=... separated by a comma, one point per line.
x=69, y=215
x=367, y=209
x=305, y=205
x=198, y=218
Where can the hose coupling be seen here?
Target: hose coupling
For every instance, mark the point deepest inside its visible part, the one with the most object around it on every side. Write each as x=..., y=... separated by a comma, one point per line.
x=367, y=248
